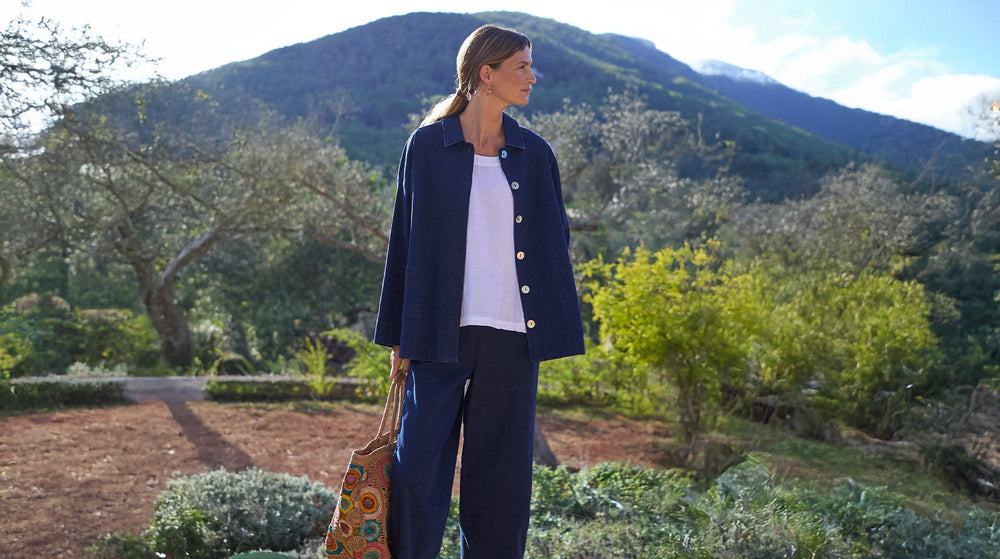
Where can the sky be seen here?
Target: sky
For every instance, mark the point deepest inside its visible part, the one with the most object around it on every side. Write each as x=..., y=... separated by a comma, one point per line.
x=928, y=61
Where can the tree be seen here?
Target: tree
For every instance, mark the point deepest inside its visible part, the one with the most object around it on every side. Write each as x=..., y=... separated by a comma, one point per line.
x=44, y=68
x=633, y=175
x=678, y=317
x=344, y=204
x=860, y=219
x=157, y=206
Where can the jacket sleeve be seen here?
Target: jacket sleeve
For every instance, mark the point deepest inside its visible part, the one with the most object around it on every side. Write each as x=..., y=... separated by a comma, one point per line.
x=388, y=325
x=557, y=183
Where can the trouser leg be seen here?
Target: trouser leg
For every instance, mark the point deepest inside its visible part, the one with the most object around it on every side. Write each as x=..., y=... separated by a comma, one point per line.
x=424, y=460
x=499, y=419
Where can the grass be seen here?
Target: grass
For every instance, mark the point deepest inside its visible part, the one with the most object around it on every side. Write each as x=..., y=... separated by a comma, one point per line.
x=822, y=466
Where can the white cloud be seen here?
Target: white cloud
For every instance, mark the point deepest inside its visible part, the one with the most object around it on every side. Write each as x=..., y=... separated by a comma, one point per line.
x=950, y=102
x=910, y=84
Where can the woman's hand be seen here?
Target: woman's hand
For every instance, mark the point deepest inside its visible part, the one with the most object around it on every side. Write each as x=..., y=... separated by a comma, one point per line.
x=399, y=366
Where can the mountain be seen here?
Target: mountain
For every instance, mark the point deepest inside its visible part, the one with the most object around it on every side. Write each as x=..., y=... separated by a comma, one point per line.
x=901, y=143
x=367, y=80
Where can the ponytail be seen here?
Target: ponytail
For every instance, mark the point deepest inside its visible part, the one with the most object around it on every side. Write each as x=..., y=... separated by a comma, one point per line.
x=450, y=105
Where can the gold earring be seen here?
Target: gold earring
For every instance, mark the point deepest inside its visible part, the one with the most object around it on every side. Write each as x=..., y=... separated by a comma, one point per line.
x=489, y=90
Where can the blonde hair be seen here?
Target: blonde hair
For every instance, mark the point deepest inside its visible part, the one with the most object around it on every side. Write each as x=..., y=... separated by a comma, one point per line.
x=490, y=44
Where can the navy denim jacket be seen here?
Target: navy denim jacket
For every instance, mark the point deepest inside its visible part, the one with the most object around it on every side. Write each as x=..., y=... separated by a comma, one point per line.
x=421, y=303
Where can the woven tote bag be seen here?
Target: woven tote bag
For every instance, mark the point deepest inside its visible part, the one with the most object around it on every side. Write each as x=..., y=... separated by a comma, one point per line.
x=359, y=525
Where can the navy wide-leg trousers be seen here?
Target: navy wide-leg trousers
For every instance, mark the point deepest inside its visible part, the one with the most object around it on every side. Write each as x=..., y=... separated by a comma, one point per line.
x=497, y=413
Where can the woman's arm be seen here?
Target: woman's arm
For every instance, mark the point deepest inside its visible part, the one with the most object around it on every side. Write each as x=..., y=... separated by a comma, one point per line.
x=389, y=322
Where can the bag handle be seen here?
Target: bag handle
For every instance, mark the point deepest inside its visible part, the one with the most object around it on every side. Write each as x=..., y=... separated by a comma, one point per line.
x=395, y=403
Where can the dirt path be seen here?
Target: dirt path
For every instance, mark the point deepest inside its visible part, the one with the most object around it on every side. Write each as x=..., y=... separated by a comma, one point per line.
x=68, y=477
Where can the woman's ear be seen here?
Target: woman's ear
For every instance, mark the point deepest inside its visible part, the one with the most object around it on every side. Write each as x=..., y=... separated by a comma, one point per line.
x=485, y=74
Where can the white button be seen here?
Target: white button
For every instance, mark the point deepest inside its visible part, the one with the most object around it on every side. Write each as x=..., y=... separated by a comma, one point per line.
x=520, y=255
x=531, y=324
x=525, y=289
x=514, y=185
x=518, y=219
x=503, y=154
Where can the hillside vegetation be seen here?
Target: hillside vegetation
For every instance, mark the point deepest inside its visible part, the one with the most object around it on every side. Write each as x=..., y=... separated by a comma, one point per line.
x=733, y=269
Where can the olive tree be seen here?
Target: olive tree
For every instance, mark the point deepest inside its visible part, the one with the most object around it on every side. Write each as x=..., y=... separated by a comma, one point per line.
x=623, y=184
x=159, y=197
x=45, y=68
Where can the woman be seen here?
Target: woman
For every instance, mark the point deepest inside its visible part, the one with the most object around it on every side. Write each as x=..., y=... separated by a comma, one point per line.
x=478, y=287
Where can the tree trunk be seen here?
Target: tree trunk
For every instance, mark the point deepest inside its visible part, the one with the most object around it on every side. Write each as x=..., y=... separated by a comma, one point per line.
x=158, y=293
x=170, y=323
x=543, y=454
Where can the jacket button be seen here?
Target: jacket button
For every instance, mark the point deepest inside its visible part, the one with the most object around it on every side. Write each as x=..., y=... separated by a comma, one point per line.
x=514, y=185
x=503, y=154
x=525, y=289
x=518, y=219
x=520, y=255
x=531, y=324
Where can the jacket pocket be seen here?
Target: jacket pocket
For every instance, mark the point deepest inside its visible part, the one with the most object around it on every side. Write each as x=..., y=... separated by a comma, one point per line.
x=566, y=287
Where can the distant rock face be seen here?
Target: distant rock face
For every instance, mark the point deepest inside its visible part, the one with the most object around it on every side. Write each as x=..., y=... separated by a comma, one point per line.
x=719, y=68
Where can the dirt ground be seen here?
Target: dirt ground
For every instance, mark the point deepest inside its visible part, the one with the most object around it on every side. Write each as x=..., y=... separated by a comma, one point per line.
x=68, y=477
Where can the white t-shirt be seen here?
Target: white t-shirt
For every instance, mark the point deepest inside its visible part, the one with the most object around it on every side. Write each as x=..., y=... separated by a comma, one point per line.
x=490, y=296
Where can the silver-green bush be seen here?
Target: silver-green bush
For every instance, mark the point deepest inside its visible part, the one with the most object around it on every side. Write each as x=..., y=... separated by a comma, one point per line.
x=216, y=514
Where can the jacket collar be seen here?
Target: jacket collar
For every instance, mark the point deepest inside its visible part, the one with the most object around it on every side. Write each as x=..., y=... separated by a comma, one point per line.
x=511, y=132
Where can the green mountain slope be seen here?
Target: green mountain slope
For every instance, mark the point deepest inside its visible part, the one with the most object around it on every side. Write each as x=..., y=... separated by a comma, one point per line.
x=368, y=80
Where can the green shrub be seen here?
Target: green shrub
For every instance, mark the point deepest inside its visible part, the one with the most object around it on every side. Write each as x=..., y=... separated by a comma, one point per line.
x=677, y=318
x=216, y=514
x=314, y=356
x=118, y=545
x=39, y=396
x=49, y=340
x=83, y=371
x=582, y=379
x=233, y=365
x=617, y=510
x=370, y=362
x=13, y=350
x=273, y=390
x=689, y=332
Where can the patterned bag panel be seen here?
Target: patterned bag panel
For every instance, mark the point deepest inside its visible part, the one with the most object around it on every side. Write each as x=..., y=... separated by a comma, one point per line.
x=359, y=526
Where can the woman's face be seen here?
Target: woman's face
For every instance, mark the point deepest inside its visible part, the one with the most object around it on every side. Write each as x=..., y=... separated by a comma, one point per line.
x=512, y=79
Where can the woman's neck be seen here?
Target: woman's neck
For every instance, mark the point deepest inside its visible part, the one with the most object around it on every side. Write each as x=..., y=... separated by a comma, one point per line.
x=482, y=126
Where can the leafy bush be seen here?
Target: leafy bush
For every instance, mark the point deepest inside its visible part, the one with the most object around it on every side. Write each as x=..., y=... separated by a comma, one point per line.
x=860, y=339
x=82, y=370
x=13, y=349
x=117, y=545
x=314, y=356
x=370, y=363
x=273, y=390
x=49, y=340
x=234, y=365
x=617, y=510
x=687, y=330
x=678, y=318
x=608, y=511
x=589, y=379
x=37, y=396
x=216, y=514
